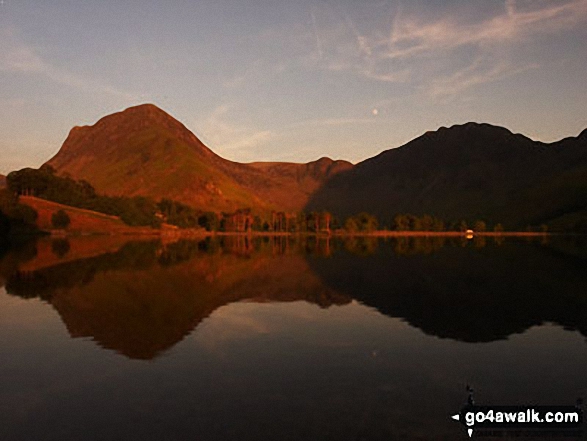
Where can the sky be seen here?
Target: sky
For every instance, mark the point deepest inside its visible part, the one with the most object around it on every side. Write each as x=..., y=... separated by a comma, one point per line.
x=290, y=80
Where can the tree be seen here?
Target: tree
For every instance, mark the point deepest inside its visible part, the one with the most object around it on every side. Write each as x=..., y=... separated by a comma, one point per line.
x=351, y=225
x=427, y=223
x=401, y=222
x=498, y=228
x=367, y=222
x=209, y=221
x=438, y=224
x=480, y=226
x=415, y=223
x=60, y=220
x=327, y=219
x=257, y=224
x=13, y=215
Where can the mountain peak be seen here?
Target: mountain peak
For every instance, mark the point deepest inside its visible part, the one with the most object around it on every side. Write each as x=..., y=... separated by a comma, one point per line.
x=144, y=151
x=470, y=135
x=126, y=128
x=141, y=115
x=146, y=109
x=475, y=128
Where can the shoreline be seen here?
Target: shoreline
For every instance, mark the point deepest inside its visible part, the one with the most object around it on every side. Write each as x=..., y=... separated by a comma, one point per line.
x=143, y=232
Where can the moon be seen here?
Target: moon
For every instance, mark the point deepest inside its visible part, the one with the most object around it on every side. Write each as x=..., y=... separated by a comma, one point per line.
x=375, y=112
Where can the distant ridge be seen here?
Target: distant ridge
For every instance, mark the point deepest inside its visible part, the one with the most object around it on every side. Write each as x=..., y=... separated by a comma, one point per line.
x=144, y=151
x=470, y=171
x=2, y=181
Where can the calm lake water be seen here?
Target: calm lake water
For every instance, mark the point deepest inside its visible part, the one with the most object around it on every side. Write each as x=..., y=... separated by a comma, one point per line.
x=284, y=339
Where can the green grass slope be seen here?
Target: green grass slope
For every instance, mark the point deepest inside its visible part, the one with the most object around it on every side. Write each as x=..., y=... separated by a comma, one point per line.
x=144, y=151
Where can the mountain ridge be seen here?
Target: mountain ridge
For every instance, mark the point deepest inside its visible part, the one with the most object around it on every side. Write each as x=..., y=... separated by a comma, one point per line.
x=145, y=151
x=469, y=171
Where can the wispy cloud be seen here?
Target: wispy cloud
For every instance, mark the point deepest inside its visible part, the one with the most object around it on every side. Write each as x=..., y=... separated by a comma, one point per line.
x=412, y=36
x=478, y=72
x=420, y=50
x=315, y=29
x=18, y=57
x=230, y=138
x=343, y=47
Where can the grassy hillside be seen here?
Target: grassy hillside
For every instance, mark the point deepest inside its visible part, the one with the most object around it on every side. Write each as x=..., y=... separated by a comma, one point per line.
x=82, y=221
x=468, y=172
x=144, y=151
x=291, y=185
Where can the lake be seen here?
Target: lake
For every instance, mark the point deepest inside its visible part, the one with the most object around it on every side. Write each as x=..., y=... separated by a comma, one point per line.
x=284, y=338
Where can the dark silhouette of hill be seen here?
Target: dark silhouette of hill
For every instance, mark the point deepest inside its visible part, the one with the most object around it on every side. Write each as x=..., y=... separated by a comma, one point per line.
x=2, y=181
x=463, y=291
x=143, y=151
x=471, y=171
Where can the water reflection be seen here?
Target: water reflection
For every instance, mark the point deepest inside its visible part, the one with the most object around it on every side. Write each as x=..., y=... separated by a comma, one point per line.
x=145, y=297
x=473, y=291
x=141, y=298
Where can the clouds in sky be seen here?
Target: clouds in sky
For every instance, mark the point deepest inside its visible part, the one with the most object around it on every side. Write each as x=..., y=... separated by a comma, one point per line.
x=228, y=138
x=17, y=57
x=293, y=80
x=444, y=53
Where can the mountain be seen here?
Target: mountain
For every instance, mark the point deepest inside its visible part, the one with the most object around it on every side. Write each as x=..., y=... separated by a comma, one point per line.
x=471, y=171
x=144, y=151
x=2, y=181
x=292, y=184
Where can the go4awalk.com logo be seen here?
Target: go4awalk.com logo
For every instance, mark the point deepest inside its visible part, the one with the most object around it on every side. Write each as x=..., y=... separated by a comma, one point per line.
x=559, y=420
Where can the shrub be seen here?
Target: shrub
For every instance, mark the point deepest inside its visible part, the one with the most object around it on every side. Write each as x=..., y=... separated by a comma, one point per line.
x=60, y=220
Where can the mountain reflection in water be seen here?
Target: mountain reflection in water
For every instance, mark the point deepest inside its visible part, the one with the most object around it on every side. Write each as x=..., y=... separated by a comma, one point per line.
x=141, y=298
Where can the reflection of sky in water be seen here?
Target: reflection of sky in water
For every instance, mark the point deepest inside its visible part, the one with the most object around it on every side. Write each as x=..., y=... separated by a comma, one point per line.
x=273, y=371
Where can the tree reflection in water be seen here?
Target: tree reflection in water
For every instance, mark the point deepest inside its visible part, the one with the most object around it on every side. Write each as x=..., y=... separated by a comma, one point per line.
x=141, y=298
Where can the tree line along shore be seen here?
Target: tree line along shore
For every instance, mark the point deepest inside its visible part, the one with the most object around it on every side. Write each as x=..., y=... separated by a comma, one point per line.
x=142, y=215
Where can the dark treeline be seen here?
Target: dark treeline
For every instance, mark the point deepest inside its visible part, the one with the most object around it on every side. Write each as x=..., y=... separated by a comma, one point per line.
x=15, y=218
x=362, y=223
x=410, y=222
x=134, y=211
x=143, y=211
x=45, y=184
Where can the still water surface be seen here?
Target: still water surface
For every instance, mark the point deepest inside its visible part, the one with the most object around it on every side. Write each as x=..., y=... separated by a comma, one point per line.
x=283, y=339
